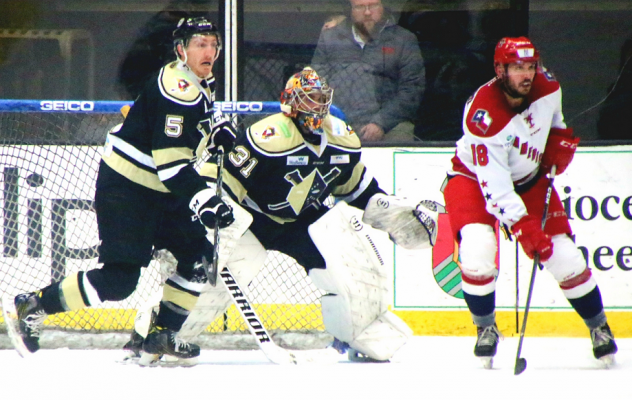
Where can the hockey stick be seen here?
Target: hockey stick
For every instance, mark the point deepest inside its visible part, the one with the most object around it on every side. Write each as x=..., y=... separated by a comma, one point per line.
x=274, y=353
x=521, y=363
x=211, y=270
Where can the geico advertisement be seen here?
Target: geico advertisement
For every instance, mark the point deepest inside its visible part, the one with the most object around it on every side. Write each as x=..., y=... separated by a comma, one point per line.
x=597, y=196
x=48, y=226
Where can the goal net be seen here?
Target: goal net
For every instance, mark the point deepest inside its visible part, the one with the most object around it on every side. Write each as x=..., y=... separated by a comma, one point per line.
x=48, y=167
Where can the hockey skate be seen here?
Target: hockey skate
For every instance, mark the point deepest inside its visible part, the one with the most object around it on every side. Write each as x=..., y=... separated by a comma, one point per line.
x=24, y=317
x=162, y=341
x=486, y=344
x=604, y=347
x=133, y=348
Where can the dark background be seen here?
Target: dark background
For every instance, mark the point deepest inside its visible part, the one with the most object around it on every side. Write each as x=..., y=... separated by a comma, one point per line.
x=582, y=42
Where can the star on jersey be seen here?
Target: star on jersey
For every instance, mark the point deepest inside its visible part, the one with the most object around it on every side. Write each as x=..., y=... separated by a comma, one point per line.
x=502, y=211
x=483, y=184
x=529, y=120
x=305, y=192
x=488, y=196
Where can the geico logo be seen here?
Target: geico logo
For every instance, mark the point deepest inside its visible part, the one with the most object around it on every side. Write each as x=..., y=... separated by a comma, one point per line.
x=61, y=105
x=238, y=106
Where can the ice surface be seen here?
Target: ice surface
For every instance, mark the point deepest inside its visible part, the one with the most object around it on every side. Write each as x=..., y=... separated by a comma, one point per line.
x=426, y=368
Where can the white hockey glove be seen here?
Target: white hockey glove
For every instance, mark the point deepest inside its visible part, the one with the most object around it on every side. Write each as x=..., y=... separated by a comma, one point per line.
x=409, y=226
x=209, y=208
x=223, y=134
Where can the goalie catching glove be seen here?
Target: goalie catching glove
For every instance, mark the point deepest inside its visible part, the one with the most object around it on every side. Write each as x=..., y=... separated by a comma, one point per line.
x=210, y=209
x=223, y=134
x=411, y=227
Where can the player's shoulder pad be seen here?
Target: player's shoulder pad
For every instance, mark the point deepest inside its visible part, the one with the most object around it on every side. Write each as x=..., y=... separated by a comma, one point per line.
x=339, y=133
x=489, y=112
x=275, y=135
x=176, y=85
x=544, y=84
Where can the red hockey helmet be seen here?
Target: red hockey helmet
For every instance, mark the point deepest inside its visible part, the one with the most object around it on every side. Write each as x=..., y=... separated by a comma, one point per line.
x=510, y=50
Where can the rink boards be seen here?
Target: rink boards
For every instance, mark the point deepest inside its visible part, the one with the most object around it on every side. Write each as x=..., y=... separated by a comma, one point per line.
x=595, y=190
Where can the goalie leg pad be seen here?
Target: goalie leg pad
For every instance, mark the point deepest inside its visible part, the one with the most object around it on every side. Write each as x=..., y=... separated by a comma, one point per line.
x=356, y=281
x=568, y=267
x=478, y=254
x=410, y=226
x=380, y=340
x=213, y=302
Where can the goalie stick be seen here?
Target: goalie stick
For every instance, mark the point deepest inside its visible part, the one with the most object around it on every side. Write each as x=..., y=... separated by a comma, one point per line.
x=272, y=351
x=521, y=363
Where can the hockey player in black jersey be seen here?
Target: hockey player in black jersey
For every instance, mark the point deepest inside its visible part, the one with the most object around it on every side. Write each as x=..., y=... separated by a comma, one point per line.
x=149, y=196
x=279, y=176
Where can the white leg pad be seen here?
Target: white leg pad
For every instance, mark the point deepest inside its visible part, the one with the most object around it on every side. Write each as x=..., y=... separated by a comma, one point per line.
x=477, y=251
x=214, y=301
x=356, y=280
x=380, y=340
x=567, y=263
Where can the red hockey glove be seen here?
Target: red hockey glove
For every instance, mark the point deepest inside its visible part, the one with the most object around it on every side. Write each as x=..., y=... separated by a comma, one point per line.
x=560, y=149
x=532, y=238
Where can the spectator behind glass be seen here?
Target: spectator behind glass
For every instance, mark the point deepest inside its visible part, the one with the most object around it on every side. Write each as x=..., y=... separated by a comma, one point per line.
x=614, y=121
x=376, y=70
x=153, y=47
x=453, y=69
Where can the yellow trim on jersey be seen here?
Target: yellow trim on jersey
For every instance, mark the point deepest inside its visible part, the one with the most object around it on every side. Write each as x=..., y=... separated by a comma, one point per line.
x=70, y=294
x=178, y=297
x=352, y=183
x=178, y=84
x=134, y=173
x=172, y=154
x=338, y=134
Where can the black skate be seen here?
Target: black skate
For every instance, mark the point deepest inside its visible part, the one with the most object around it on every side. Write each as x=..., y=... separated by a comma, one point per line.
x=163, y=341
x=24, y=317
x=604, y=347
x=133, y=348
x=486, y=344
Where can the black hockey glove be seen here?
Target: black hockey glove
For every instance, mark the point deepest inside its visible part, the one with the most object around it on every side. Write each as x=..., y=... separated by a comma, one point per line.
x=209, y=208
x=223, y=134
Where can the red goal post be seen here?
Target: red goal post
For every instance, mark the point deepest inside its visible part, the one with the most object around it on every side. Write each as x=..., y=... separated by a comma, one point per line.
x=49, y=155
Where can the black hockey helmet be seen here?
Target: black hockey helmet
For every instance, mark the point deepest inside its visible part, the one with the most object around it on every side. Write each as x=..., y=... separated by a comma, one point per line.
x=189, y=27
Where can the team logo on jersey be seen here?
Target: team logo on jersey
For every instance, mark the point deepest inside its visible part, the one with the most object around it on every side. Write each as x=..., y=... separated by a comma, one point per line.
x=297, y=160
x=482, y=119
x=548, y=75
x=183, y=85
x=306, y=192
x=339, y=159
x=268, y=133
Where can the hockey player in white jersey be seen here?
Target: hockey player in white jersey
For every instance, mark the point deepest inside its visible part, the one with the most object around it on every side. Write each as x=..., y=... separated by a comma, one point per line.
x=514, y=132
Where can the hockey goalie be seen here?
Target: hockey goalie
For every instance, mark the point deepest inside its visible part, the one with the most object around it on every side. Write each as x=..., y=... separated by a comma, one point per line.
x=277, y=179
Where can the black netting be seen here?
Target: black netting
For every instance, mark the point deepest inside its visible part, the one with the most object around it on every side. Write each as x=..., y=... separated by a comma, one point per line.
x=48, y=230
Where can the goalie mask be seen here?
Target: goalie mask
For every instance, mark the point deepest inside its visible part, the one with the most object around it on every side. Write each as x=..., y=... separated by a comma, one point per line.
x=307, y=98
x=191, y=27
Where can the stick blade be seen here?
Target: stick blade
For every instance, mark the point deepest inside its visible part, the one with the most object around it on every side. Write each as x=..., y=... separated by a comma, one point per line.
x=521, y=365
